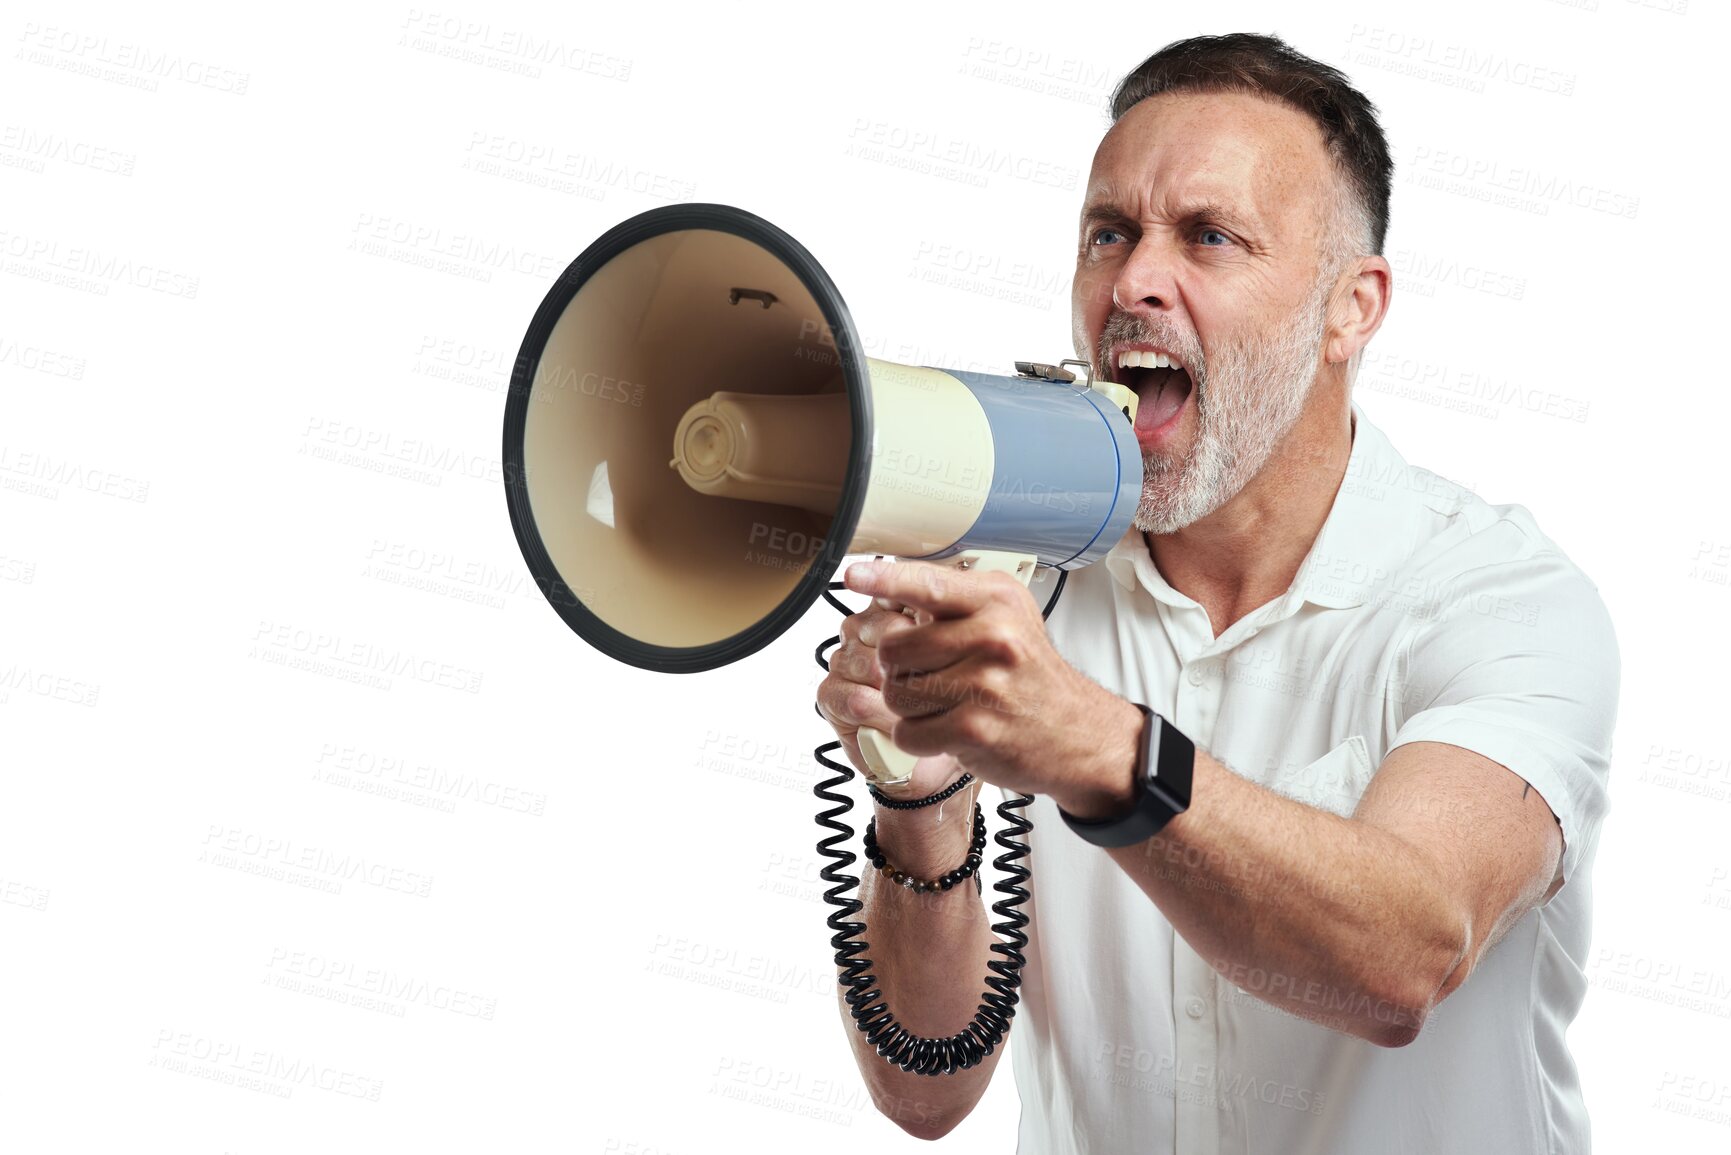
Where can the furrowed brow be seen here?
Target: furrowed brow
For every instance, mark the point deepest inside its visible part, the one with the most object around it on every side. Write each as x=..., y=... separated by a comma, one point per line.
x=1216, y=213
x=1106, y=203
x=1107, y=206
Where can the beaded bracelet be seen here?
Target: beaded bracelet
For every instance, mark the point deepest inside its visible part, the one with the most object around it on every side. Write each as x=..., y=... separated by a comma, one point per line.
x=970, y=867
x=889, y=803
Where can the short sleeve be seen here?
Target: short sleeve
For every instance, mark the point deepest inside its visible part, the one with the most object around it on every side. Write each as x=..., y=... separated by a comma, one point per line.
x=1520, y=664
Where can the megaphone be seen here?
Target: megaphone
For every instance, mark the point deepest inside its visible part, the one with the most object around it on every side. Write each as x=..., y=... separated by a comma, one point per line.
x=694, y=440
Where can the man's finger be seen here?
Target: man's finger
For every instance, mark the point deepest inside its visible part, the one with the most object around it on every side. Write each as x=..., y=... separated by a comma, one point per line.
x=942, y=591
x=874, y=628
x=978, y=679
x=933, y=647
x=921, y=693
x=854, y=704
x=854, y=662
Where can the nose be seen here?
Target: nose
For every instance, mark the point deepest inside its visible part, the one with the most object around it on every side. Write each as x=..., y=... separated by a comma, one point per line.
x=1144, y=283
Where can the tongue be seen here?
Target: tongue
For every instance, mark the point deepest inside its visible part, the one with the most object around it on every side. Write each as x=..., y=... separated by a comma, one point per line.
x=1160, y=398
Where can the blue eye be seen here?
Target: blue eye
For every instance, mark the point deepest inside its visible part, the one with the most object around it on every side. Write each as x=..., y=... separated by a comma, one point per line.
x=1224, y=239
x=1098, y=233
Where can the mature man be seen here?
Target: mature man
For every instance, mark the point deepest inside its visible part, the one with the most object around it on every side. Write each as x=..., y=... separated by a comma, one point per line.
x=1400, y=699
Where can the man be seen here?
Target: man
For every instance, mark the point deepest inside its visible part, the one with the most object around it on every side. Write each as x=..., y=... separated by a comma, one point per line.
x=1366, y=931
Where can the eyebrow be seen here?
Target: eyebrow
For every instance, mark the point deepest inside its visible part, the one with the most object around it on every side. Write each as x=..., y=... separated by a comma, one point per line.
x=1104, y=207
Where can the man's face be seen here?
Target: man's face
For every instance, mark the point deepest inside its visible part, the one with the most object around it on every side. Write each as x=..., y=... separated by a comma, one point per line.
x=1202, y=238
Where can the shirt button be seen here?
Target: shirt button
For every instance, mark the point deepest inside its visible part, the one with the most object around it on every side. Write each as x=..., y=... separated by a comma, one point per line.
x=1194, y=1007
x=1197, y=674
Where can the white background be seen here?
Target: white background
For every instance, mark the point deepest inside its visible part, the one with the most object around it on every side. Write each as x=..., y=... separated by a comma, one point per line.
x=263, y=275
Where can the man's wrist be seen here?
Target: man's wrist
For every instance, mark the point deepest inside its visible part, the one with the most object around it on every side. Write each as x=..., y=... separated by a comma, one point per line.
x=1107, y=787
x=925, y=843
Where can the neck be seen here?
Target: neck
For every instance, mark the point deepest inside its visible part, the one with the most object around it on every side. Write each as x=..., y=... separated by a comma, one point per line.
x=1246, y=553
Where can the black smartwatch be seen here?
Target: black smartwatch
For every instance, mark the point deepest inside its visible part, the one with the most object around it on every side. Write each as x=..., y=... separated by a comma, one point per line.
x=1164, y=763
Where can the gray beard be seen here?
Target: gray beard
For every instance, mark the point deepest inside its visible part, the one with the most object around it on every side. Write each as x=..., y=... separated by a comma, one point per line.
x=1246, y=399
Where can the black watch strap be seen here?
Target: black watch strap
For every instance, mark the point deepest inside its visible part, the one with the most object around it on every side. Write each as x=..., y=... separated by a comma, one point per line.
x=1165, y=761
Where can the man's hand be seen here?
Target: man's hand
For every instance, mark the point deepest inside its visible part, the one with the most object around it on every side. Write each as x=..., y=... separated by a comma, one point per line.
x=851, y=696
x=976, y=676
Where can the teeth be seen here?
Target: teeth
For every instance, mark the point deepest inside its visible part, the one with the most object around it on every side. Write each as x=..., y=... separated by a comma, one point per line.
x=1144, y=359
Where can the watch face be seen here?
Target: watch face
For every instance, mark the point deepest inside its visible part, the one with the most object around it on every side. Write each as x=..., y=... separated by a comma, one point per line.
x=1171, y=765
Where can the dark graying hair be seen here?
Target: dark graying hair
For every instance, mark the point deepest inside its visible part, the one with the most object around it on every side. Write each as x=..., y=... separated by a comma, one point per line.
x=1268, y=66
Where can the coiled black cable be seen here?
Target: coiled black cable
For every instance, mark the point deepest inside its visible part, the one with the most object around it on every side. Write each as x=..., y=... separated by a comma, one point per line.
x=892, y=1041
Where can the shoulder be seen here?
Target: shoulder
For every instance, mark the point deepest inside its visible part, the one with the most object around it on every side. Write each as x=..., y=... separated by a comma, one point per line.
x=1495, y=602
x=1494, y=562
x=1466, y=558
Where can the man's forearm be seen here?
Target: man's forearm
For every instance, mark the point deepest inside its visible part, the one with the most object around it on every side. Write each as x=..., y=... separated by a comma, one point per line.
x=1333, y=920
x=929, y=954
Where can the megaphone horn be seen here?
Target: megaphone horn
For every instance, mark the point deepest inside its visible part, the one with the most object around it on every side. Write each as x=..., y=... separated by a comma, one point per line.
x=694, y=440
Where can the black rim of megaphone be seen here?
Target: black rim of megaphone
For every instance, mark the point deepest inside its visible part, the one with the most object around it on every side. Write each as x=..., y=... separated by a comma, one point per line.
x=673, y=218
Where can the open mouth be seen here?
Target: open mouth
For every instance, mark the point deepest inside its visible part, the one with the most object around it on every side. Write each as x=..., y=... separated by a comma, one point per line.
x=1161, y=383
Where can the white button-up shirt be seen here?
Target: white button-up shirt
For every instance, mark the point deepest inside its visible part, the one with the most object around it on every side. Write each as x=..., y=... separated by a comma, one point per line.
x=1420, y=614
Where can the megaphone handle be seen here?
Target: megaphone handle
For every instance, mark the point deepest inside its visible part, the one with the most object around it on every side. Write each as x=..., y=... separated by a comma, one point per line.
x=889, y=766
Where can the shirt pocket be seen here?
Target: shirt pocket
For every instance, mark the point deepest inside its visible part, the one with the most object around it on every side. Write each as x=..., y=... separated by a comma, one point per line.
x=1333, y=782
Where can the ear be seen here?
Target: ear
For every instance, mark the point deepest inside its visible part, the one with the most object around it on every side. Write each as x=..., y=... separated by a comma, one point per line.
x=1360, y=302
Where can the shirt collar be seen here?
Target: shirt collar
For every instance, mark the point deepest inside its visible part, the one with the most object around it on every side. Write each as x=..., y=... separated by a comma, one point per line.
x=1370, y=529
